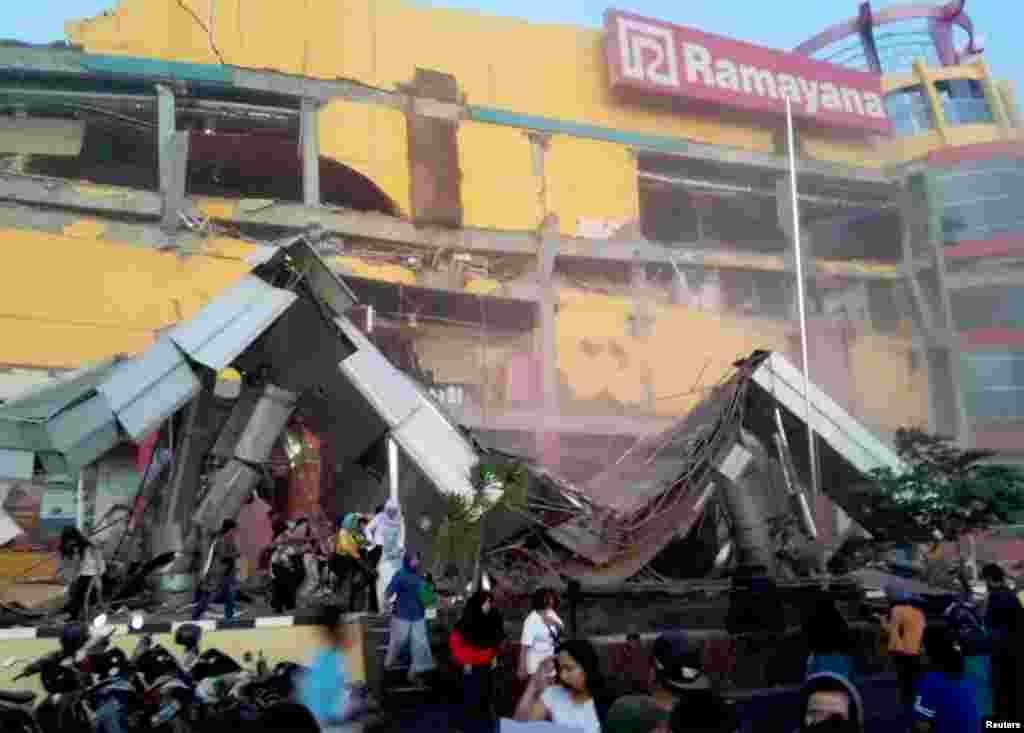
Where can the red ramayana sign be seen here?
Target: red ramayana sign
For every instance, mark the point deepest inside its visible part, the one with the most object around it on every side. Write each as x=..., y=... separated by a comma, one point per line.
x=670, y=60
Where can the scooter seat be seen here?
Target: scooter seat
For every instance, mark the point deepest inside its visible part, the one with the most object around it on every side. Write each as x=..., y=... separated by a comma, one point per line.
x=17, y=697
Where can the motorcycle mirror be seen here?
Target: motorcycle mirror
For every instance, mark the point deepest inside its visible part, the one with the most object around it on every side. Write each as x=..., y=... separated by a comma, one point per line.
x=100, y=621
x=138, y=621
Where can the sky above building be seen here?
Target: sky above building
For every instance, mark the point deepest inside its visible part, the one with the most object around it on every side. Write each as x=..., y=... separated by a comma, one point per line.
x=780, y=24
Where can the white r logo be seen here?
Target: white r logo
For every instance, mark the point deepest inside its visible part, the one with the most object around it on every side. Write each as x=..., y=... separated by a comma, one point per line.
x=648, y=53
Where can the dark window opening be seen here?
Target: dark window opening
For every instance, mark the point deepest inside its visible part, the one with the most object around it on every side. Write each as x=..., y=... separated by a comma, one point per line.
x=668, y=216
x=888, y=304
x=964, y=102
x=775, y=293
x=866, y=234
x=981, y=200
x=994, y=385
x=993, y=307
x=909, y=111
x=229, y=163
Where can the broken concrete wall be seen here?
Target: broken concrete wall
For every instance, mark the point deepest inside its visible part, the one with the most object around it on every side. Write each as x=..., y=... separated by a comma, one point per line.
x=433, y=123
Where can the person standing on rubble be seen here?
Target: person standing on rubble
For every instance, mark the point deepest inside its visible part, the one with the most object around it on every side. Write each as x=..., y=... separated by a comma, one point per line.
x=389, y=533
x=408, y=623
x=285, y=567
x=348, y=561
x=373, y=548
x=83, y=565
x=219, y=574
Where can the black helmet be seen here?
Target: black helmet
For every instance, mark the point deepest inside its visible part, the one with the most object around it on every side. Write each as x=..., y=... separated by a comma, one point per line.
x=112, y=662
x=73, y=637
x=188, y=636
x=58, y=678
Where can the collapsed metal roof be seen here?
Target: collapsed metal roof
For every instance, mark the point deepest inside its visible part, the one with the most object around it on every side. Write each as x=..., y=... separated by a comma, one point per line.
x=286, y=319
x=659, y=489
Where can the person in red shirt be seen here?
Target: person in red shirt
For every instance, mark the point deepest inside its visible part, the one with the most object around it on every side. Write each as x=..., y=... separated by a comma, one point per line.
x=474, y=645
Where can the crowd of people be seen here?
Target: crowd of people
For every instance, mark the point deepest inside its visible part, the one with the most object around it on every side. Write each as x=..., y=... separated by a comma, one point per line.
x=941, y=688
x=951, y=676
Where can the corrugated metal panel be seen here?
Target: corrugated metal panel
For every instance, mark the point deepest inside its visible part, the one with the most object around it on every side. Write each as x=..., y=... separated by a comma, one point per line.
x=831, y=422
x=85, y=432
x=16, y=465
x=22, y=435
x=46, y=400
x=230, y=323
x=145, y=391
x=16, y=382
x=438, y=450
x=392, y=395
x=57, y=469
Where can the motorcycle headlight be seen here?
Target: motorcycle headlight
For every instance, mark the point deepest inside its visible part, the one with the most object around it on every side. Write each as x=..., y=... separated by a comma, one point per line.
x=100, y=621
x=138, y=621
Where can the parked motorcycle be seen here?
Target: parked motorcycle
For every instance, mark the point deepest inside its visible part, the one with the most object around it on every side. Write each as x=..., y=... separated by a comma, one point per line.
x=16, y=711
x=65, y=676
x=168, y=693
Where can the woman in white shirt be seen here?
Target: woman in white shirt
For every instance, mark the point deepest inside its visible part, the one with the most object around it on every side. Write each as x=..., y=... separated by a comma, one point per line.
x=567, y=690
x=542, y=630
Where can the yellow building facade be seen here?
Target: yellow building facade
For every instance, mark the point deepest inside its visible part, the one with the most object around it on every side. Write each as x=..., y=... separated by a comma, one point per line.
x=543, y=153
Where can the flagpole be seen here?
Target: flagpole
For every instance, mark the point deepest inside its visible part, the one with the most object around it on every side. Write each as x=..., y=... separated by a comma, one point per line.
x=801, y=307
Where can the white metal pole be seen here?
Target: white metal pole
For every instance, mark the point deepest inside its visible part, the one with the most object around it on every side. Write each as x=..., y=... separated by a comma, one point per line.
x=393, y=469
x=801, y=307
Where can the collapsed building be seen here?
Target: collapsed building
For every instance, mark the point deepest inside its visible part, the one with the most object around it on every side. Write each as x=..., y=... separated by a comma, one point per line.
x=540, y=239
x=728, y=486
x=286, y=329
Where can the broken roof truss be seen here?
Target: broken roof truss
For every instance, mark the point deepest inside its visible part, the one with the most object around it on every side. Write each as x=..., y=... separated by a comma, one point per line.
x=285, y=323
x=656, y=492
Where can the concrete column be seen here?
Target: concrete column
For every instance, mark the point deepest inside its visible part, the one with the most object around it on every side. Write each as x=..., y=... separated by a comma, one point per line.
x=310, y=125
x=170, y=531
x=549, y=442
x=994, y=98
x=166, y=127
x=173, y=155
x=236, y=481
x=934, y=101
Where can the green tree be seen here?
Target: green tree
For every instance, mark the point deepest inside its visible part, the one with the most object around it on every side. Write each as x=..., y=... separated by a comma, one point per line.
x=457, y=541
x=950, y=492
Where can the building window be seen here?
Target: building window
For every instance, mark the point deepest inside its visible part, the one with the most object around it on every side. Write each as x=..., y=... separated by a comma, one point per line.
x=908, y=110
x=963, y=102
x=668, y=216
x=994, y=385
x=887, y=304
x=988, y=308
x=980, y=200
